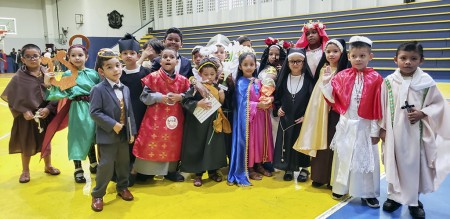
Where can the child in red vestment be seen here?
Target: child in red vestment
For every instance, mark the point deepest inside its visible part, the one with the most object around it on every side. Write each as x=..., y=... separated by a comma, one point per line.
x=158, y=145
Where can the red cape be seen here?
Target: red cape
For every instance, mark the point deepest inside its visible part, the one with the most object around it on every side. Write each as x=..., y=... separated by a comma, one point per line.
x=343, y=82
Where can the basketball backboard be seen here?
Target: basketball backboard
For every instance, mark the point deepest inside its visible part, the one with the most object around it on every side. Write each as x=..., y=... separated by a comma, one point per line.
x=8, y=24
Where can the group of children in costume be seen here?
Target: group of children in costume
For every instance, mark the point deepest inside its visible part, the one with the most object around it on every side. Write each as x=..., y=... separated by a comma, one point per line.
x=315, y=105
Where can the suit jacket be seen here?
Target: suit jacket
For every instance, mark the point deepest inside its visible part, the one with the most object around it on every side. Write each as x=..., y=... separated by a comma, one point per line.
x=185, y=67
x=105, y=111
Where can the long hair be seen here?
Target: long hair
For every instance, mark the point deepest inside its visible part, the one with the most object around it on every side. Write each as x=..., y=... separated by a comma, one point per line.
x=265, y=57
x=244, y=55
x=343, y=62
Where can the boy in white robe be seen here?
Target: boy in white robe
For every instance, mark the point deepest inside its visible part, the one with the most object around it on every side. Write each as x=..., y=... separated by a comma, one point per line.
x=414, y=127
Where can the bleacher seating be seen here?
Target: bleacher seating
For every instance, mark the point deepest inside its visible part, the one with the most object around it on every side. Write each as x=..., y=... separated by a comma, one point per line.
x=427, y=22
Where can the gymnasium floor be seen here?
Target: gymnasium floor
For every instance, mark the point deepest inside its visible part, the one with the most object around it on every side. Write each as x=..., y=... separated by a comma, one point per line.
x=48, y=196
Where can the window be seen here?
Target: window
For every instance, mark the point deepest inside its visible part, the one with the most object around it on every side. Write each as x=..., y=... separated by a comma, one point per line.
x=169, y=8
x=200, y=6
x=189, y=7
x=179, y=7
x=160, y=9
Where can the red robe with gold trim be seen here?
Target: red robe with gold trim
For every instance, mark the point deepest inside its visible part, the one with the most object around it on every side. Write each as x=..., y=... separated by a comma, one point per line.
x=343, y=83
x=161, y=131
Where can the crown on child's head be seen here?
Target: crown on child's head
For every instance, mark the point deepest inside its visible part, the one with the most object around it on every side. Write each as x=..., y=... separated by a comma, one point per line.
x=274, y=41
x=107, y=53
x=313, y=25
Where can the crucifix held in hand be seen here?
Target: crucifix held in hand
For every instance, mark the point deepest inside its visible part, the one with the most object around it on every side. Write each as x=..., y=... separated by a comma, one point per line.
x=407, y=107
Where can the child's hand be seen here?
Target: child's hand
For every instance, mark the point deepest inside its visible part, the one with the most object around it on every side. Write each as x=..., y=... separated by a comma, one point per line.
x=221, y=95
x=164, y=99
x=415, y=116
x=204, y=103
x=28, y=115
x=299, y=120
x=375, y=140
x=326, y=75
x=147, y=52
x=382, y=134
x=43, y=112
x=131, y=139
x=263, y=106
x=173, y=98
x=221, y=76
x=117, y=127
x=47, y=77
x=280, y=112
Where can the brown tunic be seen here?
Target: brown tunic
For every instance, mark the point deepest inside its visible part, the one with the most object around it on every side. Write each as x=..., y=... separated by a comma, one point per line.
x=26, y=92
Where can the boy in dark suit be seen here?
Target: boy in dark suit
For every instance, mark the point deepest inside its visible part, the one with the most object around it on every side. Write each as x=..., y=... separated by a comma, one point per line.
x=173, y=39
x=112, y=113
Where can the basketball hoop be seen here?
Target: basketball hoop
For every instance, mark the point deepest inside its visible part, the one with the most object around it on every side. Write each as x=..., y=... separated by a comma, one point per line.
x=2, y=34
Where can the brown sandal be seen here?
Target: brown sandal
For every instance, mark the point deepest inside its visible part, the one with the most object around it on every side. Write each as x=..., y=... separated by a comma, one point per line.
x=216, y=177
x=254, y=175
x=52, y=171
x=24, y=177
x=198, y=181
x=260, y=169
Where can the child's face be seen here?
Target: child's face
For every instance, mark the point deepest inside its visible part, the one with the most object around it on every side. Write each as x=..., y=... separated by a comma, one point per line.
x=333, y=54
x=111, y=69
x=274, y=54
x=408, y=61
x=248, y=66
x=220, y=53
x=173, y=41
x=247, y=44
x=168, y=60
x=77, y=57
x=31, y=58
x=313, y=37
x=360, y=57
x=296, y=63
x=197, y=57
x=129, y=57
x=208, y=75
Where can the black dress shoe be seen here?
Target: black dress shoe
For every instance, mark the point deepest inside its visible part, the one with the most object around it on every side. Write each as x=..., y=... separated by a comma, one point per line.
x=174, y=177
x=93, y=170
x=371, y=202
x=391, y=205
x=316, y=184
x=269, y=166
x=303, y=175
x=79, y=176
x=336, y=196
x=288, y=176
x=416, y=212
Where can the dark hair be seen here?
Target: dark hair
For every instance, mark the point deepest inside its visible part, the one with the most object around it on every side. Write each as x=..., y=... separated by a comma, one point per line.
x=244, y=55
x=343, y=62
x=77, y=46
x=103, y=56
x=412, y=46
x=155, y=44
x=170, y=50
x=195, y=51
x=243, y=39
x=29, y=46
x=173, y=30
x=208, y=62
x=359, y=44
x=265, y=57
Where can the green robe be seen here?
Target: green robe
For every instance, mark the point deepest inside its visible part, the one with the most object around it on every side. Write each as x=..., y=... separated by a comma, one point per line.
x=81, y=127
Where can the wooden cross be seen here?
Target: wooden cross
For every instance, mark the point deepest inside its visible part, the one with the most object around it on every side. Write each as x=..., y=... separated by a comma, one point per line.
x=407, y=107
